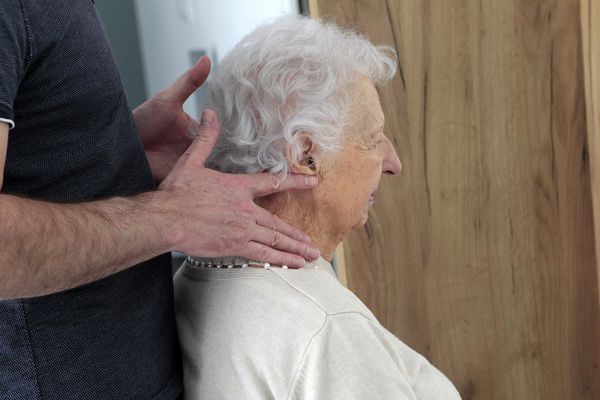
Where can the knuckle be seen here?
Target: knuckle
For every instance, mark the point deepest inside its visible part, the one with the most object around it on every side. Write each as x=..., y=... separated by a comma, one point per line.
x=248, y=210
x=185, y=156
x=272, y=221
x=202, y=138
x=238, y=182
x=244, y=234
x=275, y=182
x=276, y=239
x=238, y=244
x=303, y=250
x=264, y=253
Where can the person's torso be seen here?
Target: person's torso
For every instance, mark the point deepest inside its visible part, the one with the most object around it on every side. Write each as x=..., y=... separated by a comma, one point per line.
x=75, y=140
x=74, y=137
x=258, y=324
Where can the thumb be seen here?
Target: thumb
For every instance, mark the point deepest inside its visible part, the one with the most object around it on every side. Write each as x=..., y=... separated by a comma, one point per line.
x=191, y=80
x=205, y=140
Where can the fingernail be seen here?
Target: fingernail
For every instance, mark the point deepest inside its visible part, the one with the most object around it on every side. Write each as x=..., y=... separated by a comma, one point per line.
x=207, y=118
x=201, y=59
x=311, y=181
x=313, y=253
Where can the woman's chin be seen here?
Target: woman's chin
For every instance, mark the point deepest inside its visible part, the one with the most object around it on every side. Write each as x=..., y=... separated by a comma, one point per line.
x=365, y=217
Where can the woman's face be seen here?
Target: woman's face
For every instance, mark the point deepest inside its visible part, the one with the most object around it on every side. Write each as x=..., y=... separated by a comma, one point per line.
x=350, y=178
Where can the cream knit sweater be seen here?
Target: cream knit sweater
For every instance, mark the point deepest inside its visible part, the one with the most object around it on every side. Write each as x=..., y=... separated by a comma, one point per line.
x=291, y=334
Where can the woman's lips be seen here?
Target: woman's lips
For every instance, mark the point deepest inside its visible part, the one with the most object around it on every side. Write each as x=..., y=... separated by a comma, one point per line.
x=372, y=197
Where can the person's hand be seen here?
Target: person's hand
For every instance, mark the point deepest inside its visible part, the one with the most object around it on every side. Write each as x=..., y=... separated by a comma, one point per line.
x=215, y=215
x=166, y=130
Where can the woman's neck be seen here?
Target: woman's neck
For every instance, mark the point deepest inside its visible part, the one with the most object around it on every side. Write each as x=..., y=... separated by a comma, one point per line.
x=301, y=211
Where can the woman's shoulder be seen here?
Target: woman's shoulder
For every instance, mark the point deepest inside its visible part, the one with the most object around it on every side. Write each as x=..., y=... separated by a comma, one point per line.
x=321, y=288
x=314, y=288
x=264, y=301
x=255, y=325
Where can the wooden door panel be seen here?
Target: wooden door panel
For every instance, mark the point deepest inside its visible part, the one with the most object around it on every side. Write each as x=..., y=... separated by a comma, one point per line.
x=481, y=254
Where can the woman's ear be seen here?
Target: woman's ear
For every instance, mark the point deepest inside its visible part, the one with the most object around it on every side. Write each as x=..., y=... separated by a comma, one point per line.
x=307, y=161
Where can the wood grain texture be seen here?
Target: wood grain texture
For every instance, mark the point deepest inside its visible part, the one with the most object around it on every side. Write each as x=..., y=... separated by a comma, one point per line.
x=483, y=249
x=590, y=37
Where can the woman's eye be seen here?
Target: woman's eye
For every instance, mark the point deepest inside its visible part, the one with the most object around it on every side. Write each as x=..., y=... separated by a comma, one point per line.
x=373, y=143
x=377, y=143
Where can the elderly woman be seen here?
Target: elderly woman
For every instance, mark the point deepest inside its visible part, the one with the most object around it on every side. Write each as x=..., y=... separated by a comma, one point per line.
x=297, y=95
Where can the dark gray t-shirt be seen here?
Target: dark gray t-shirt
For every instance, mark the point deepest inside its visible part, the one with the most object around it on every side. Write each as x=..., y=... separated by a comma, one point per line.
x=74, y=140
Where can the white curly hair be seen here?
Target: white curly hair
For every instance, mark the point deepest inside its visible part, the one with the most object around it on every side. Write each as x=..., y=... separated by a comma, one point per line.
x=285, y=77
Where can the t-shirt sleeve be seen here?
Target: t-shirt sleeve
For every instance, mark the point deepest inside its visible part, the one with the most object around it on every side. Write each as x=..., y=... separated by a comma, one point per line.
x=14, y=48
x=354, y=358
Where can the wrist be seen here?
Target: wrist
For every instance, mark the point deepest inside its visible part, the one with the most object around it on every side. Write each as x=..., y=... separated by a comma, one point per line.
x=158, y=207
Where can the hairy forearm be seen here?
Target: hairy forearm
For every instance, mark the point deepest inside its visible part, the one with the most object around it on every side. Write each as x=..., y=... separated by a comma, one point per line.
x=47, y=247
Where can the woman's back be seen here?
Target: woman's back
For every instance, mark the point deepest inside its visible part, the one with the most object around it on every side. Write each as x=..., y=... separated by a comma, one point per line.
x=252, y=333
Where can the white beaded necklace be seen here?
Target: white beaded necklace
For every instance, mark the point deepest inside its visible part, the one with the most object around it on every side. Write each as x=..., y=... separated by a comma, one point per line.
x=229, y=262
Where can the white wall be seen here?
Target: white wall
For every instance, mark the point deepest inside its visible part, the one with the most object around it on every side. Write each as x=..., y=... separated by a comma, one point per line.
x=172, y=30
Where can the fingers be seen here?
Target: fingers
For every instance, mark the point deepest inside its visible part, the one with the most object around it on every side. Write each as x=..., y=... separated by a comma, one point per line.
x=270, y=221
x=258, y=251
x=282, y=242
x=265, y=184
x=191, y=80
x=205, y=140
x=192, y=127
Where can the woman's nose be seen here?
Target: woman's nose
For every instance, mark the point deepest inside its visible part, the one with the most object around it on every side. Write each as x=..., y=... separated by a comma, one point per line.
x=391, y=162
